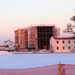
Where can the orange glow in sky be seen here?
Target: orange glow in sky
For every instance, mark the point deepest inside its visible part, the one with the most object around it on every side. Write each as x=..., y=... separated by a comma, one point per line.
x=15, y=14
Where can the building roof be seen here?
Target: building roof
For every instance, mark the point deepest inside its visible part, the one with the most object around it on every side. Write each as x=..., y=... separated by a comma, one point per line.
x=59, y=37
x=41, y=25
x=36, y=25
x=2, y=45
x=21, y=29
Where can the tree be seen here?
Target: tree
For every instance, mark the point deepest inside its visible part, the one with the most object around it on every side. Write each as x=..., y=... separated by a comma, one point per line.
x=73, y=18
x=70, y=28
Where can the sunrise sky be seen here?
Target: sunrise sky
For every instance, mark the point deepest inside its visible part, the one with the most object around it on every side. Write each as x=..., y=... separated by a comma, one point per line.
x=16, y=14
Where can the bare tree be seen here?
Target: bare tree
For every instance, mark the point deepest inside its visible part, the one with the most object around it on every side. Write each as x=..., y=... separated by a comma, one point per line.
x=73, y=18
x=70, y=28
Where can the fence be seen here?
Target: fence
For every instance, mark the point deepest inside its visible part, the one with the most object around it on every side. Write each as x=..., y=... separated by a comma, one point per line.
x=58, y=69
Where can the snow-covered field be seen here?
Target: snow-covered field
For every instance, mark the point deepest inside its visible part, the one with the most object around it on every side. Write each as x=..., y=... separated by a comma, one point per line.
x=20, y=61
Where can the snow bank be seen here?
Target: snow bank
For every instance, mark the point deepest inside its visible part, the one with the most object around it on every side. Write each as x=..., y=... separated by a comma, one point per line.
x=4, y=52
x=20, y=61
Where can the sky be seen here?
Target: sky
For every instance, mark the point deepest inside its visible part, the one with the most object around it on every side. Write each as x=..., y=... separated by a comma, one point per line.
x=17, y=14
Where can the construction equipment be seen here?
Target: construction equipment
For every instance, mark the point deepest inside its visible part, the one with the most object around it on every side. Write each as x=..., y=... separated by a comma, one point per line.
x=10, y=45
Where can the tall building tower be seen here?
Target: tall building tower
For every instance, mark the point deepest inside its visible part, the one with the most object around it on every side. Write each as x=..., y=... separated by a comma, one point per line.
x=21, y=39
x=39, y=36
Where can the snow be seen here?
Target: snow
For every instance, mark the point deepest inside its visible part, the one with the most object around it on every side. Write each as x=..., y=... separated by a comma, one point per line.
x=4, y=52
x=20, y=61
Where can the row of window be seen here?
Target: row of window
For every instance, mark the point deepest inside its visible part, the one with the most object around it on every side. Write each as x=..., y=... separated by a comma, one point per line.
x=64, y=47
x=44, y=36
x=64, y=42
x=45, y=29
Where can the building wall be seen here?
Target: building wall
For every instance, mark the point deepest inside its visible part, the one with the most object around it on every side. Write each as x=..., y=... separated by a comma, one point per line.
x=21, y=38
x=63, y=45
x=44, y=34
x=32, y=37
x=17, y=36
x=38, y=36
x=35, y=37
x=2, y=48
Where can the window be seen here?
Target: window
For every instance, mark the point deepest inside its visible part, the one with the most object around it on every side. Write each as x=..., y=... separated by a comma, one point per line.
x=63, y=47
x=63, y=41
x=57, y=42
x=69, y=47
x=74, y=47
x=57, y=47
x=68, y=41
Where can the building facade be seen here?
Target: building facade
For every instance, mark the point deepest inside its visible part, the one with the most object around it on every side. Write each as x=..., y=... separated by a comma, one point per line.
x=62, y=44
x=2, y=48
x=21, y=39
x=38, y=36
x=35, y=37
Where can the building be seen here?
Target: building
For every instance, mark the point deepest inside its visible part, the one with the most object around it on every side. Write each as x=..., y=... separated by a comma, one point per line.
x=21, y=39
x=38, y=36
x=2, y=48
x=35, y=37
x=62, y=44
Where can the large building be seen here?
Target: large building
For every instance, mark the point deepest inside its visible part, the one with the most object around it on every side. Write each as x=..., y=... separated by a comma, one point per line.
x=39, y=36
x=21, y=39
x=62, y=44
x=35, y=37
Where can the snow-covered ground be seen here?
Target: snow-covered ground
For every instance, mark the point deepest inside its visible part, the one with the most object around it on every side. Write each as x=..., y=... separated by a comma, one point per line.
x=19, y=61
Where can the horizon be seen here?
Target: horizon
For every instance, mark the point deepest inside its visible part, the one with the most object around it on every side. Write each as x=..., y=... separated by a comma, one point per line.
x=17, y=14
